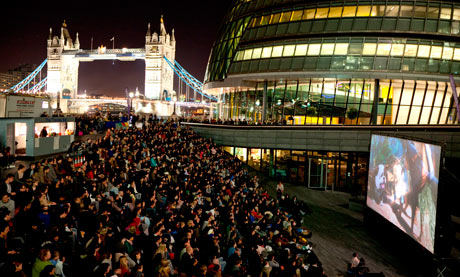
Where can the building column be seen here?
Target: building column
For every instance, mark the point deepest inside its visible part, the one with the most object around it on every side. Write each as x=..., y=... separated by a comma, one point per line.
x=375, y=106
x=264, y=102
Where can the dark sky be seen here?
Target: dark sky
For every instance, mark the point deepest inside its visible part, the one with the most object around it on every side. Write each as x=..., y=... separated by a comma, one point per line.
x=25, y=28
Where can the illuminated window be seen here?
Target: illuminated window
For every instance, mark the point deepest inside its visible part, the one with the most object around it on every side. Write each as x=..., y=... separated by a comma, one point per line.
x=239, y=55
x=456, y=15
x=335, y=12
x=384, y=49
x=321, y=12
x=257, y=21
x=410, y=50
x=457, y=54
x=266, y=52
x=369, y=49
x=257, y=53
x=397, y=49
x=289, y=50
x=420, y=11
x=309, y=14
x=355, y=49
x=406, y=11
x=446, y=13
x=265, y=20
x=364, y=11
x=277, y=51
x=448, y=53
x=423, y=51
x=349, y=11
x=392, y=11
x=285, y=17
x=296, y=15
x=247, y=54
x=432, y=13
x=436, y=52
x=378, y=10
x=301, y=50
x=314, y=49
x=275, y=18
x=327, y=49
x=341, y=49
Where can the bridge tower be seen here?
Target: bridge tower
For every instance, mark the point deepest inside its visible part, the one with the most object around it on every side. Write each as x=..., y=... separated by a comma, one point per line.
x=62, y=69
x=159, y=77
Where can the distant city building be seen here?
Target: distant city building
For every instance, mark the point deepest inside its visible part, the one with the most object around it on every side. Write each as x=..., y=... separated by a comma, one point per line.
x=14, y=76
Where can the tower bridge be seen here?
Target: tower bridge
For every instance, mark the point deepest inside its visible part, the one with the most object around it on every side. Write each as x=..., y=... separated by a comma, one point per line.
x=62, y=65
x=65, y=55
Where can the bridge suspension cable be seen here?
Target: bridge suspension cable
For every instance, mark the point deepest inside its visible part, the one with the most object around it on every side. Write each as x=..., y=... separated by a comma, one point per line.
x=29, y=78
x=188, y=79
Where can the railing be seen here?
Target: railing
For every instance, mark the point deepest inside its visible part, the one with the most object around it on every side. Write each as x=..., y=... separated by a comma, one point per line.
x=106, y=51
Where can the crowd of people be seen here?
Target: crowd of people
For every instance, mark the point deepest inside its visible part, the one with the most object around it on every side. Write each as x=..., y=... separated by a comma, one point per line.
x=240, y=122
x=153, y=201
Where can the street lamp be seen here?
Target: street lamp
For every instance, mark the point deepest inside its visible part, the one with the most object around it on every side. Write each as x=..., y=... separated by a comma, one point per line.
x=131, y=96
x=174, y=99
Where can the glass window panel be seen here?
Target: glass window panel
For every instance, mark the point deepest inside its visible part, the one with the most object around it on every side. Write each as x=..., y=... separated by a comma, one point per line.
x=296, y=15
x=432, y=13
x=364, y=11
x=378, y=10
x=266, y=52
x=321, y=12
x=257, y=53
x=446, y=13
x=341, y=49
x=436, y=52
x=355, y=49
x=335, y=12
x=288, y=50
x=239, y=55
x=392, y=10
x=457, y=54
x=397, y=49
x=349, y=11
x=314, y=49
x=301, y=50
x=369, y=49
x=423, y=51
x=411, y=50
x=277, y=51
x=406, y=11
x=285, y=17
x=257, y=22
x=247, y=54
x=275, y=18
x=265, y=19
x=384, y=49
x=447, y=53
x=309, y=14
x=327, y=49
x=456, y=15
x=419, y=11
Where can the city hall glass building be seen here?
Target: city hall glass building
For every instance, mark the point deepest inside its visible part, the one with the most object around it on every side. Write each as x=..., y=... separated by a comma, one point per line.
x=335, y=63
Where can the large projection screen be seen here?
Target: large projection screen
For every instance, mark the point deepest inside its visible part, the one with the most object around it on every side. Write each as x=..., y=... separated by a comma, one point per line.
x=403, y=185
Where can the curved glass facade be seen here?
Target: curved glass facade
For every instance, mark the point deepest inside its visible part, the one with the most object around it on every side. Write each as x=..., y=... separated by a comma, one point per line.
x=337, y=62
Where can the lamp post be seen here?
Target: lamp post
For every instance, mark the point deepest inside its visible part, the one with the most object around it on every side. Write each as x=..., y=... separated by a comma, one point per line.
x=174, y=110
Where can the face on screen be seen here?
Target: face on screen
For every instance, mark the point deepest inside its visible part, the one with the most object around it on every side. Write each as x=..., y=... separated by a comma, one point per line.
x=403, y=185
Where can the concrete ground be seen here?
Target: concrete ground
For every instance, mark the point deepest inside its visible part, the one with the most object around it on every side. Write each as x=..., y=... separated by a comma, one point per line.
x=339, y=231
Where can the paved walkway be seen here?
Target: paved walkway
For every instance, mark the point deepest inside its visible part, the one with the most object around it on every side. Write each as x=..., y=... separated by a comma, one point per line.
x=339, y=231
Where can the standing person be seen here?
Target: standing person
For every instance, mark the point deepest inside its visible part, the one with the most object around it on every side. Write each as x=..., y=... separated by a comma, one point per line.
x=355, y=261
x=279, y=189
x=44, y=132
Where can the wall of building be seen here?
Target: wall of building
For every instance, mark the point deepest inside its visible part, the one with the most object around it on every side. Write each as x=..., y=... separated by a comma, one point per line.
x=322, y=138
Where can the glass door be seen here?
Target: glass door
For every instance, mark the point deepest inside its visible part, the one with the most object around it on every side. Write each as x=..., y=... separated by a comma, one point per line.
x=317, y=172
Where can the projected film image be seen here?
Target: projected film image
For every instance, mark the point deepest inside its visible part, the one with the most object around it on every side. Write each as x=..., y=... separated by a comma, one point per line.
x=403, y=185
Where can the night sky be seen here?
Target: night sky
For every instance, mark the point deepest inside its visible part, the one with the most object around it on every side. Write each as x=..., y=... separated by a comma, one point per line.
x=25, y=28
